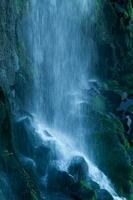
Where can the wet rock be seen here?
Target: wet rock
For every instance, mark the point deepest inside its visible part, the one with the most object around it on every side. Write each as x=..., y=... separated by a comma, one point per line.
x=124, y=96
x=87, y=93
x=103, y=195
x=94, y=103
x=29, y=164
x=42, y=156
x=2, y=112
x=5, y=187
x=57, y=196
x=107, y=145
x=21, y=114
x=59, y=180
x=127, y=120
x=130, y=153
x=78, y=168
x=2, y=95
x=93, y=184
x=46, y=133
x=80, y=192
x=25, y=138
x=113, y=100
x=5, y=123
x=93, y=83
x=125, y=105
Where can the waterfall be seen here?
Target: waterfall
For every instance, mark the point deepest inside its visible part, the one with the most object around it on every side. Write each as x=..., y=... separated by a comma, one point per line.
x=60, y=43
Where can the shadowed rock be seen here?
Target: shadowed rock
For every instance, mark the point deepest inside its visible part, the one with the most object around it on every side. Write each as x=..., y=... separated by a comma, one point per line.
x=78, y=168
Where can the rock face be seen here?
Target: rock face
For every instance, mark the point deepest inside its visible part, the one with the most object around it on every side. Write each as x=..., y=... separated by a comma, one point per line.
x=5, y=189
x=23, y=129
x=111, y=135
x=5, y=125
x=108, y=112
x=15, y=182
x=102, y=194
x=64, y=180
x=78, y=168
x=8, y=53
x=42, y=158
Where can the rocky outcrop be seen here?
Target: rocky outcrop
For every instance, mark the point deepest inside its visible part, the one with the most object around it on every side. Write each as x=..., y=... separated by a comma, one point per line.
x=108, y=112
x=13, y=176
x=111, y=135
x=8, y=55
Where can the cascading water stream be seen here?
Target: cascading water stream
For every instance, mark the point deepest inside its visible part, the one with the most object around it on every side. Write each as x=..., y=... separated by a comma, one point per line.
x=62, y=50
x=68, y=150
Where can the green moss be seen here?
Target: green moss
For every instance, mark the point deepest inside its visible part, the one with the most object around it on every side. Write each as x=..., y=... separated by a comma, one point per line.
x=130, y=9
x=123, y=84
x=106, y=140
x=34, y=195
x=108, y=148
x=21, y=6
x=97, y=103
x=113, y=85
x=87, y=187
x=25, y=64
x=131, y=197
x=130, y=108
x=105, y=122
x=126, y=82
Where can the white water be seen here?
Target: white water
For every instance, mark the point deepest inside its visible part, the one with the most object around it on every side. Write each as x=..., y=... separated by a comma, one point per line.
x=68, y=150
x=63, y=53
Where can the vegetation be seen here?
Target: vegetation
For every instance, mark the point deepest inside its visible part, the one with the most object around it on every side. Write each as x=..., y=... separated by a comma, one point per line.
x=109, y=140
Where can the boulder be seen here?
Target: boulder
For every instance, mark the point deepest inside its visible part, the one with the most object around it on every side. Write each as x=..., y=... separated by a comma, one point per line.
x=25, y=137
x=42, y=157
x=57, y=196
x=125, y=105
x=103, y=195
x=93, y=184
x=47, y=134
x=81, y=192
x=28, y=164
x=78, y=168
x=59, y=180
x=113, y=100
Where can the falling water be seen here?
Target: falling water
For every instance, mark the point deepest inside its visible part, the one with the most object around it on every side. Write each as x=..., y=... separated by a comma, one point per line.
x=62, y=50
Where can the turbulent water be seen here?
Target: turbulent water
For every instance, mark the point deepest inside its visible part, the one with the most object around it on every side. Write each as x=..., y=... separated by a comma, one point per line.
x=59, y=37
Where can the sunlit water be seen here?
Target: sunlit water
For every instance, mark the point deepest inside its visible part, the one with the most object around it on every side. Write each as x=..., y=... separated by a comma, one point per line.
x=59, y=39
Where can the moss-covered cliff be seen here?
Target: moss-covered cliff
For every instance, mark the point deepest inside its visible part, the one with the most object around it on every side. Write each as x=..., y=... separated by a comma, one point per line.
x=111, y=135
x=109, y=116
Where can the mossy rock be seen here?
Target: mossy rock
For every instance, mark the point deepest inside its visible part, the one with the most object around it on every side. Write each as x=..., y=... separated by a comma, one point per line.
x=97, y=103
x=105, y=122
x=83, y=191
x=2, y=112
x=108, y=147
x=127, y=82
x=20, y=6
x=131, y=197
x=103, y=194
x=109, y=124
x=130, y=108
x=113, y=85
x=110, y=156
